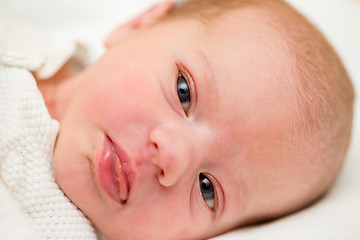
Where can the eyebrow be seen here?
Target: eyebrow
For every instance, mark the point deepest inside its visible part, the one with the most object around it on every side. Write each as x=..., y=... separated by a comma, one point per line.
x=207, y=71
x=237, y=187
x=200, y=68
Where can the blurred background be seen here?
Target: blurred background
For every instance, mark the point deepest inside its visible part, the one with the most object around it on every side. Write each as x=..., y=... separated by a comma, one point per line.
x=89, y=21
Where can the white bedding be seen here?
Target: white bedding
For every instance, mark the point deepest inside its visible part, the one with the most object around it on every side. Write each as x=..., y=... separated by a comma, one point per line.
x=27, y=137
x=335, y=217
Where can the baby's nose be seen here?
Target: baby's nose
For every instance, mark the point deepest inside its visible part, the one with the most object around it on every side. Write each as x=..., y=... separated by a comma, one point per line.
x=174, y=155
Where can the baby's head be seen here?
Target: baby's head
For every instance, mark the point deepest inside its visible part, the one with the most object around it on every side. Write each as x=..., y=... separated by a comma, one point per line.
x=204, y=117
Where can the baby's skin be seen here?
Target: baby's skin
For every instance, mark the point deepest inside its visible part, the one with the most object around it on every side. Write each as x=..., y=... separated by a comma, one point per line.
x=180, y=129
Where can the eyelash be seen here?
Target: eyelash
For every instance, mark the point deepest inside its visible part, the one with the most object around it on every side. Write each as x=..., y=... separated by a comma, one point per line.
x=215, y=208
x=192, y=88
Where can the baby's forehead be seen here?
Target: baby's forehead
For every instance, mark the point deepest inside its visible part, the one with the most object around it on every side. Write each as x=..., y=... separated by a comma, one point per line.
x=253, y=70
x=249, y=58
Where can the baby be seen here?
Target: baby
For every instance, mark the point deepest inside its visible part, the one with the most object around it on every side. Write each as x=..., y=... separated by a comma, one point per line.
x=202, y=117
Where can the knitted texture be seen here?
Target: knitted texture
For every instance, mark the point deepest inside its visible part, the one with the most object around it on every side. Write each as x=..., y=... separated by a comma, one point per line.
x=27, y=137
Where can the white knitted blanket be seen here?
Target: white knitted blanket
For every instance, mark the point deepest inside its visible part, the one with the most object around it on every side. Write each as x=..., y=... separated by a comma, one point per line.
x=27, y=136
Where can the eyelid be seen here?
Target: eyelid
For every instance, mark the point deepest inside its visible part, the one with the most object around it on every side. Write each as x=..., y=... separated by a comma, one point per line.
x=218, y=196
x=193, y=93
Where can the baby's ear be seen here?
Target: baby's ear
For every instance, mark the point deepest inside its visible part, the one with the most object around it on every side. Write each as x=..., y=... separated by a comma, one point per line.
x=144, y=19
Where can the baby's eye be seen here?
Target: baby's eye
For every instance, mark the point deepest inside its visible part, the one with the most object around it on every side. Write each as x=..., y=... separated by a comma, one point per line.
x=207, y=191
x=183, y=91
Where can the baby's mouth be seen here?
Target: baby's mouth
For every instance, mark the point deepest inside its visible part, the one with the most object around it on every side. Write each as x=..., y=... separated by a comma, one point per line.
x=112, y=171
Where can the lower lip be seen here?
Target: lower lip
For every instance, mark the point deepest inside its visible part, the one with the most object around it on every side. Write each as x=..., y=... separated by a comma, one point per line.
x=110, y=176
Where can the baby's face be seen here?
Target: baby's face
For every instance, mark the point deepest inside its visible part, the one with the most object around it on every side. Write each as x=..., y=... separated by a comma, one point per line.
x=176, y=131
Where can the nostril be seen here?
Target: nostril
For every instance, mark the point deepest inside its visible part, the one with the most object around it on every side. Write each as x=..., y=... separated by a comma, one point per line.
x=164, y=155
x=162, y=174
x=161, y=178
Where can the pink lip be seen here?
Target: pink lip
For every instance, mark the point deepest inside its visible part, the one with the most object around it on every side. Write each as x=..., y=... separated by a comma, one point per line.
x=112, y=171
